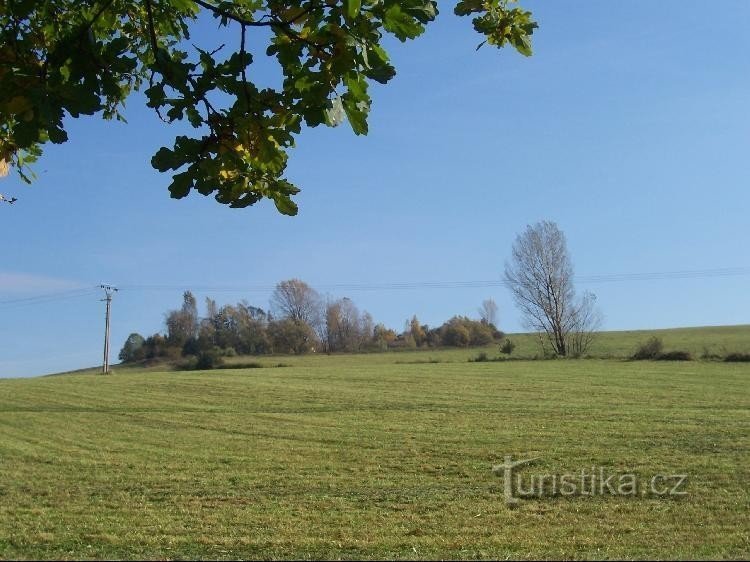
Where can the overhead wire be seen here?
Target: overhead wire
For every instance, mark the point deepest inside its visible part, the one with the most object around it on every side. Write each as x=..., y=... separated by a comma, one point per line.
x=48, y=297
x=415, y=285
x=379, y=286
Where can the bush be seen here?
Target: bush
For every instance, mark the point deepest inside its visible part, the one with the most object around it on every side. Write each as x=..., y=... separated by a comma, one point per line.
x=737, y=358
x=709, y=355
x=481, y=358
x=650, y=349
x=674, y=356
x=291, y=336
x=507, y=347
x=134, y=349
x=209, y=359
x=186, y=364
x=480, y=334
x=243, y=365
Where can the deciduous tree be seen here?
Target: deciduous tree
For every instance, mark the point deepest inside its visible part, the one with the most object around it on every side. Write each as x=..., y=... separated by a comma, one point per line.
x=291, y=336
x=72, y=58
x=488, y=312
x=133, y=349
x=182, y=324
x=540, y=276
x=296, y=300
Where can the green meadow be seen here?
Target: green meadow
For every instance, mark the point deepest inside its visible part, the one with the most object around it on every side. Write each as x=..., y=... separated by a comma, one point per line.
x=380, y=456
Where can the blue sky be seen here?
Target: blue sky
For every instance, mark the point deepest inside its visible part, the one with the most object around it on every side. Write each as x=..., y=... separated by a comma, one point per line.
x=629, y=127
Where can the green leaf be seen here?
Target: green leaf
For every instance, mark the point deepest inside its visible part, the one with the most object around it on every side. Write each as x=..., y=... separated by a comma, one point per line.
x=356, y=112
x=285, y=205
x=57, y=135
x=185, y=6
x=304, y=83
x=357, y=86
x=165, y=159
x=26, y=133
x=174, y=113
x=155, y=95
x=425, y=12
x=181, y=184
x=381, y=74
x=466, y=7
x=401, y=24
x=380, y=69
x=270, y=155
x=193, y=116
x=351, y=9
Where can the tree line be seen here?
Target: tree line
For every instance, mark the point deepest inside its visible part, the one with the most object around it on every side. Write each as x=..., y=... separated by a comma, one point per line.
x=299, y=320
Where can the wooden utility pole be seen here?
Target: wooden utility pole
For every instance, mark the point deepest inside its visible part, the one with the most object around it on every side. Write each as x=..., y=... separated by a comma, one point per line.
x=108, y=291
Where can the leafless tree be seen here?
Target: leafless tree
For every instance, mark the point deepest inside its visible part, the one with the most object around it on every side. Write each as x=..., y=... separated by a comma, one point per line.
x=488, y=312
x=345, y=326
x=540, y=276
x=296, y=300
x=585, y=322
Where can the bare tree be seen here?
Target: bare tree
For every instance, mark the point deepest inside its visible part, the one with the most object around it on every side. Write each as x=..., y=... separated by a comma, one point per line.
x=585, y=322
x=295, y=300
x=540, y=276
x=488, y=312
x=346, y=328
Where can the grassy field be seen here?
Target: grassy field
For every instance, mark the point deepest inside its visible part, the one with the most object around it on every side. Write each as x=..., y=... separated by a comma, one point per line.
x=373, y=456
x=717, y=340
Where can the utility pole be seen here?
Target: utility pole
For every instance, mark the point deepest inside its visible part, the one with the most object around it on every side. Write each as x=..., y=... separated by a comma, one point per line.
x=108, y=291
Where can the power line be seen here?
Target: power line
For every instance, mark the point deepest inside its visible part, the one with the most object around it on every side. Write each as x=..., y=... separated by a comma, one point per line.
x=48, y=297
x=417, y=285
x=383, y=286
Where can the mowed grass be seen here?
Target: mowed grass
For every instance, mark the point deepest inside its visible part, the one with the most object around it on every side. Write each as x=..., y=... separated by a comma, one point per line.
x=714, y=340
x=717, y=341
x=338, y=457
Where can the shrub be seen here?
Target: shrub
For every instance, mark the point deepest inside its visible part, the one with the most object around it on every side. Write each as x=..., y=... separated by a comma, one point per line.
x=650, y=349
x=674, y=356
x=481, y=358
x=507, y=347
x=455, y=334
x=248, y=365
x=737, y=358
x=291, y=336
x=209, y=359
x=479, y=333
x=186, y=364
x=134, y=349
x=708, y=354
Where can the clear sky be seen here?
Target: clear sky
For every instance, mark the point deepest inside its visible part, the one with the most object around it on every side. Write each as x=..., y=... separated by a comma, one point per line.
x=629, y=127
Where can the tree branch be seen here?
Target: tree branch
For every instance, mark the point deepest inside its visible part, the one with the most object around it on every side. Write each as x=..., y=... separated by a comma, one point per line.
x=151, y=29
x=243, y=54
x=285, y=26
